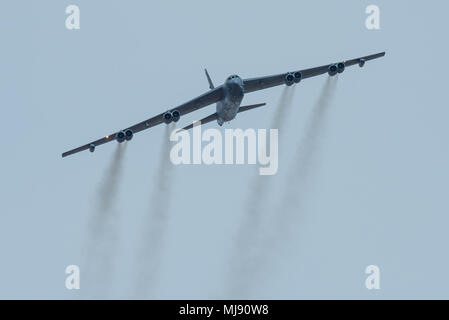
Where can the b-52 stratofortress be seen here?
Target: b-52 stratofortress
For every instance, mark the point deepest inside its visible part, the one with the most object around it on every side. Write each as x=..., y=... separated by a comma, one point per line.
x=228, y=98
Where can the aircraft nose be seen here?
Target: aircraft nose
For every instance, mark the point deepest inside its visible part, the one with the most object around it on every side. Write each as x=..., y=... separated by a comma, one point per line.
x=232, y=84
x=236, y=86
x=236, y=89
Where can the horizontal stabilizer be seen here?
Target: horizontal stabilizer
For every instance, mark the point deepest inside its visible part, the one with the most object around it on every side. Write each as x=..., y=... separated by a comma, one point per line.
x=250, y=107
x=208, y=119
x=214, y=116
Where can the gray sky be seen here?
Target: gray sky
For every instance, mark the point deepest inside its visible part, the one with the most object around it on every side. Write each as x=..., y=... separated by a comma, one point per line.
x=378, y=192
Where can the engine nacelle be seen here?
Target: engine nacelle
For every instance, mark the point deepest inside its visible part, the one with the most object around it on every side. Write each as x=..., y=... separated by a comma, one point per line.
x=167, y=117
x=361, y=63
x=120, y=136
x=340, y=67
x=91, y=147
x=128, y=134
x=298, y=76
x=333, y=70
x=289, y=79
x=175, y=115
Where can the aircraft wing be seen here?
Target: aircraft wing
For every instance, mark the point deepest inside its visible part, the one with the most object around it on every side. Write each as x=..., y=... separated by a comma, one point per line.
x=203, y=100
x=255, y=84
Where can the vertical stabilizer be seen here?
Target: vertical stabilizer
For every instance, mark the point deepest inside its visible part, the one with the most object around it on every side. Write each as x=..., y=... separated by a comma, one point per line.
x=211, y=85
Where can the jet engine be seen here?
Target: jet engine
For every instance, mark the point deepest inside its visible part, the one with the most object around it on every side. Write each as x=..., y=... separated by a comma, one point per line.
x=175, y=115
x=340, y=67
x=120, y=136
x=167, y=117
x=333, y=70
x=128, y=134
x=91, y=147
x=289, y=79
x=298, y=76
x=361, y=62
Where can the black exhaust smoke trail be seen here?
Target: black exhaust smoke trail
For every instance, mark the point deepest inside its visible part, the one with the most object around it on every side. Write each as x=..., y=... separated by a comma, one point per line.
x=247, y=238
x=259, y=185
x=308, y=147
x=303, y=165
x=155, y=223
x=103, y=229
x=263, y=243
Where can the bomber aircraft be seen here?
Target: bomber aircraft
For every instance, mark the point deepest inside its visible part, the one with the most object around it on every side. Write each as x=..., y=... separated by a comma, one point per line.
x=228, y=98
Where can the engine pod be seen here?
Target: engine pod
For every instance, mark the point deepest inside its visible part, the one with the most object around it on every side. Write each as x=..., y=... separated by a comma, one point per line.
x=332, y=70
x=361, y=63
x=175, y=115
x=120, y=136
x=340, y=67
x=91, y=147
x=128, y=134
x=289, y=79
x=167, y=117
x=298, y=76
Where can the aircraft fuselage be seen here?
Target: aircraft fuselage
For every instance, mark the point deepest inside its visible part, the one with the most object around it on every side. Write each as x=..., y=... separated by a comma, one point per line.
x=228, y=107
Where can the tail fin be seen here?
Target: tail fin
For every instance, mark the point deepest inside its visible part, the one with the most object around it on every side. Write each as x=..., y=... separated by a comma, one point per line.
x=214, y=116
x=211, y=85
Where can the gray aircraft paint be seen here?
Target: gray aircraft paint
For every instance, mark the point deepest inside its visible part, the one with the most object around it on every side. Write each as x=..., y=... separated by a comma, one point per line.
x=228, y=107
x=383, y=176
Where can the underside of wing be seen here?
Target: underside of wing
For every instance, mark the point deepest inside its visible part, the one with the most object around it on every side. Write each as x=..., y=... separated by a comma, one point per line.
x=289, y=78
x=168, y=116
x=216, y=94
